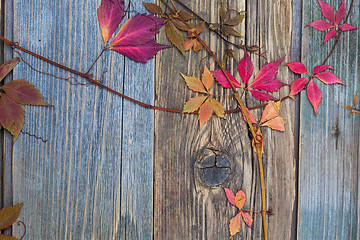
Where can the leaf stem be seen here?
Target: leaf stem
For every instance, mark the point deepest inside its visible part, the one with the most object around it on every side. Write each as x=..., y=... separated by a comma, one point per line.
x=97, y=58
x=246, y=210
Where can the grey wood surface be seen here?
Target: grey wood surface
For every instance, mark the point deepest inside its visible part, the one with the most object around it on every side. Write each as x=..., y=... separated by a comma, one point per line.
x=93, y=178
x=329, y=142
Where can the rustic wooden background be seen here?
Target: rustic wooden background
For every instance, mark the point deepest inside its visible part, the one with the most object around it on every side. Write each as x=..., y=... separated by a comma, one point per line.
x=114, y=170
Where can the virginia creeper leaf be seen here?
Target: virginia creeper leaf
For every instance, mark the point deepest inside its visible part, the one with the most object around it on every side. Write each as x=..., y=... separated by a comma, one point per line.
x=266, y=74
x=175, y=36
x=185, y=16
x=329, y=35
x=276, y=123
x=349, y=108
x=321, y=68
x=271, y=111
x=229, y=31
x=234, y=225
x=12, y=115
x=245, y=68
x=327, y=11
x=314, y=95
x=140, y=53
x=240, y=199
x=7, y=67
x=7, y=237
x=110, y=14
x=153, y=8
x=355, y=99
x=217, y=108
x=297, y=86
x=23, y=92
x=247, y=219
x=297, y=67
x=340, y=14
x=320, y=25
x=207, y=78
x=197, y=46
x=328, y=78
x=8, y=215
x=262, y=96
x=230, y=195
x=223, y=81
x=205, y=112
x=194, y=83
x=346, y=27
x=189, y=44
x=271, y=86
x=179, y=25
x=235, y=20
x=193, y=104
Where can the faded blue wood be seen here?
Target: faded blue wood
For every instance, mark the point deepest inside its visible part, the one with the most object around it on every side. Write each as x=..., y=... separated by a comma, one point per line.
x=329, y=143
x=93, y=178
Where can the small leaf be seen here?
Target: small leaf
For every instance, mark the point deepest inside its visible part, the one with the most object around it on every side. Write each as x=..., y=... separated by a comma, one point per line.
x=189, y=44
x=314, y=95
x=328, y=78
x=223, y=12
x=200, y=27
x=175, y=37
x=179, y=25
x=194, y=83
x=197, y=46
x=7, y=67
x=8, y=215
x=247, y=219
x=205, y=113
x=110, y=15
x=207, y=78
x=276, y=123
x=350, y=108
x=153, y=8
x=297, y=86
x=23, y=92
x=329, y=35
x=193, y=104
x=218, y=108
x=230, y=195
x=223, y=81
x=346, y=27
x=185, y=16
x=235, y=20
x=245, y=68
x=340, y=14
x=7, y=237
x=271, y=111
x=355, y=99
x=320, y=25
x=262, y=96
x=321, y=68
x=240, y=198
x=12, y=115
x=327, y=11
x=229, y=31
x=234, y=225
x=297, y=67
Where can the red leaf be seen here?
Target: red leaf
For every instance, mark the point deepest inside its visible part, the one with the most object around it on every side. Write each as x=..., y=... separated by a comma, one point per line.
x=297, y=86
x=140, y=53
x=240, y=199
x=297, y=67
x=327, y=11
x=234, y=225
x=110, y=14
x=230, y=196
x=245, y=68
x=12, y=115
x=329, y=35
x=346, y=27
x=23, y=92
x=262, y=96
x=247, y=219
x=205, y=112
x=266, y=74
x=320, y=25
x=138, y=30
x=321, y=68
x=223, y=81
x=328, y=78
x=314, y=95
x=272, y=86
x=340, y=14
x=7, y=67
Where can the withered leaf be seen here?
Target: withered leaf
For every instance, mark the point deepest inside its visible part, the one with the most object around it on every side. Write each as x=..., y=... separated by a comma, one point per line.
x=7, y=67
x=205, y=112
x=185, y=16
x=194, y=83
x=355, y=99
x=193, y=104
x=153, y=8
x=8, y=215
x=7, y=237
x=179, y=24
x=229, y=31
x=207, y=78
x=235, y=20
x=234, y=225
x=175, y=36
x=223, y=12
x=218, y=108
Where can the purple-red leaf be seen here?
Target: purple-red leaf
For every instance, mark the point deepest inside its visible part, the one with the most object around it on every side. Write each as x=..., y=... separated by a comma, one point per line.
x=23, y=92
x=320, y=25
x=330, y=34
x=266, y=74
x=297, y=67
x=138, y=30
x=223, y=81
x=110, y=13
x=346, y=27
x=321, y=68
x=327, y=11
x=12, y=115
x=297, y=86
x=230, y=195
x=245, y=68
x=271, y=86
x=7, y=67
x=328, y=78
x=340, y=14
x=262, y=96
x=314, y=95
x=140, y=53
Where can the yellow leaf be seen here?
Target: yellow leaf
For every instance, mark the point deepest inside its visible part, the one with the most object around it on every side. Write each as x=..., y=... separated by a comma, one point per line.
x=175, y=36
x=218, y=108
x=193, y=104
x=194, y=84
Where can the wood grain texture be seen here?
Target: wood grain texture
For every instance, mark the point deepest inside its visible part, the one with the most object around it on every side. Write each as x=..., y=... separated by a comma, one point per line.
x=93, y=178
x=329, y=142
x=185, y=208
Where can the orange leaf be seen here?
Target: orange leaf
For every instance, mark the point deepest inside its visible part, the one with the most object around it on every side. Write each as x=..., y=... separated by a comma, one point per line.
x=247, y=218
x=193, y=104
x=240, y=199
x=207, y=78
x=8, y=215
x=197, y=46
x=271, y=111
x=194, y=84
x=218, y=108
x=7, y=237
x=234, y=225
x=355, y=99
x=276, y=123
x=205, y=112
x=189, y=44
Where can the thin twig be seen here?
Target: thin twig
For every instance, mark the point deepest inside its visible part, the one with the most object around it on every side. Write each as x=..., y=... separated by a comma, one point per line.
x=97, y=58
x=33, y=135
x=22, y=223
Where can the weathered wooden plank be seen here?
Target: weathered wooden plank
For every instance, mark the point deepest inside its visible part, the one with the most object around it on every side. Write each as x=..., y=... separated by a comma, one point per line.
x=199, y=211
x=329, y=142
x=92, y=179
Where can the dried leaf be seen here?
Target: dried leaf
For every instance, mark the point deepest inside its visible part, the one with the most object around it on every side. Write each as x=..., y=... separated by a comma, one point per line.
x=350, y=108
x=179, y=25
x=247, y=219
x=207, y=78
x=230, y=196
x=271, y=111
x=8, y=67
x=12, y=115
x=276, y=123
x=245, y=68
x=355, y=99
x=252, y=119
x=189, y=44
x=235, y=20
x=110, y=14
x=153, y=8
x=197, y=46
x=23, y=92
x=185, y=16
x=328, y=78
x=193, y=104
x=314, y=95
x=7, y=237
x=8, y=215
x=260, y=145
x=297, y=86
x=240, y=199
x=194, y=83
x=200, y=27
x=205, y=112
x=234, y=225
x=229, y=31
x=223, y=12
x=223, y=81
x=175, y=37
x=217, y=108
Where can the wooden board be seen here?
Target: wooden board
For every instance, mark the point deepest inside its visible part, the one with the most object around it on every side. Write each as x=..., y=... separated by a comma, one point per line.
x=329, y=142
x=92, y=179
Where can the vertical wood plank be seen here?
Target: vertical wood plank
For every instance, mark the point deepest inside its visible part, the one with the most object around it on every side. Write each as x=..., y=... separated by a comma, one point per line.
x=329, y=142
x=93, y=178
